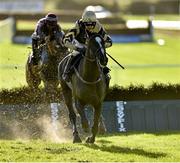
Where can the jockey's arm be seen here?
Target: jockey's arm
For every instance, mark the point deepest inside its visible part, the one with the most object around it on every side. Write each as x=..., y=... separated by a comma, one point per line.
x=70, y=39
x=39, y=31
x=106, y=37
x=60, y=36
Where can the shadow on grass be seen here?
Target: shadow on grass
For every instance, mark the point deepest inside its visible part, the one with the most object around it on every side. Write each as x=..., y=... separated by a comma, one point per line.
x=103, y=141
x=125, y=150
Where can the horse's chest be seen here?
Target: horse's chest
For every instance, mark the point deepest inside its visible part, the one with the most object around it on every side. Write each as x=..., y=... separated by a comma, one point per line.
x=88, y=94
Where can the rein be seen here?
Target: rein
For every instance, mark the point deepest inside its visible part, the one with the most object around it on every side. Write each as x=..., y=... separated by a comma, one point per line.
x=80, y=77
x=87, y=82
x=91, y=60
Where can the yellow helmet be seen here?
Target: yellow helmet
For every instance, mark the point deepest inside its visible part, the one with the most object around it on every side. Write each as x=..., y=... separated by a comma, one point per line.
x=88, y=16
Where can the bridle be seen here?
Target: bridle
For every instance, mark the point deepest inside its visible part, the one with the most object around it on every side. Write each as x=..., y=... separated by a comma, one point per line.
x=52, y=50
x=91, y=60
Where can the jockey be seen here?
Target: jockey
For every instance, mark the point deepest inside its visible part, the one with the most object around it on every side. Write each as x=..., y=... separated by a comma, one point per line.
x=46, y=28
x=75, y=40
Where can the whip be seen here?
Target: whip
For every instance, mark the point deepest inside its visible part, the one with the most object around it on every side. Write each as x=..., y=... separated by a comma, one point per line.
x=115, y=61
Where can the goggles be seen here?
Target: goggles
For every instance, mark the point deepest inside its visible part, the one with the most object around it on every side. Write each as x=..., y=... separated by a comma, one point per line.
x=90, y=24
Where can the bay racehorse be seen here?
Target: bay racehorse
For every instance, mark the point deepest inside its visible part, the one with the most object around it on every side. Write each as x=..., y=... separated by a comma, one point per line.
x=52, y=52
x=88, y=86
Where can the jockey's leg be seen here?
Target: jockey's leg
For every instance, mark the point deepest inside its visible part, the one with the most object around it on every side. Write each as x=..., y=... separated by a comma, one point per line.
x=68, y=71
x=35, y=51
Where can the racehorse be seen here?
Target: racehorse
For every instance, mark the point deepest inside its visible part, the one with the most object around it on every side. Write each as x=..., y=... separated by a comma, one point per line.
x=88, y=86
x=52, y=52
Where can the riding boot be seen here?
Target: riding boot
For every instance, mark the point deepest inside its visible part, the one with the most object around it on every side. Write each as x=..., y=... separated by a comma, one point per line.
x=68, y=69
x=35, y=52
x=35, y=57
x=106, y=71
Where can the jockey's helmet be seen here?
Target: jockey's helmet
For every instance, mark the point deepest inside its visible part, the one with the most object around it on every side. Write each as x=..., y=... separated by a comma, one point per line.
x=89, y=19
x=51, y=19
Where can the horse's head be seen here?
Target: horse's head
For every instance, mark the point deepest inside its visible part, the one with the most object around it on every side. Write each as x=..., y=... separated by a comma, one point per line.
x=55, y=46
x=97, y=49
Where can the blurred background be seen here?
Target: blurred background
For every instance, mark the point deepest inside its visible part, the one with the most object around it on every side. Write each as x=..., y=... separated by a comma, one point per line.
x=145, y=34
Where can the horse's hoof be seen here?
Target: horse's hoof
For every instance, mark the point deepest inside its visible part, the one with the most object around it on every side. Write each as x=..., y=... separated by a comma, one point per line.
x=90, y=140
x=77, y=139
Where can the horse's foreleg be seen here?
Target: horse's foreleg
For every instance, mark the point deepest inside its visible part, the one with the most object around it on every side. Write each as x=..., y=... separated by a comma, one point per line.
x=97, y=113
x=84, y=121
x=102, y=126
x=72, y=116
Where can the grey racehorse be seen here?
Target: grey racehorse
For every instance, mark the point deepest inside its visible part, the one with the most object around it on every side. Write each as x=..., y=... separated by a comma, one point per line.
x=88, y=86
x=52, y=52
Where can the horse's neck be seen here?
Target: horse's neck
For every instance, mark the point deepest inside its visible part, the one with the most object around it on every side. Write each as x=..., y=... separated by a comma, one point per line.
x=51, y=47
x=89, y=70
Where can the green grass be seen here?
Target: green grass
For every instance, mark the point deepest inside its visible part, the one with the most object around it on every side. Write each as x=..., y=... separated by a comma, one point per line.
x=12, y=62
x=132, y=147
x=140, y=54
x=133, y=56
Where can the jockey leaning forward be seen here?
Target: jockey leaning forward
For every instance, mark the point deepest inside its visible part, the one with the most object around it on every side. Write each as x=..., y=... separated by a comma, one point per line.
x=75, y=40
x=46, y=28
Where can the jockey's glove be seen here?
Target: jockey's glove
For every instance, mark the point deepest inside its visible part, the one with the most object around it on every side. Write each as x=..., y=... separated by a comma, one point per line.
x=108, y=44
x=35, y=36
